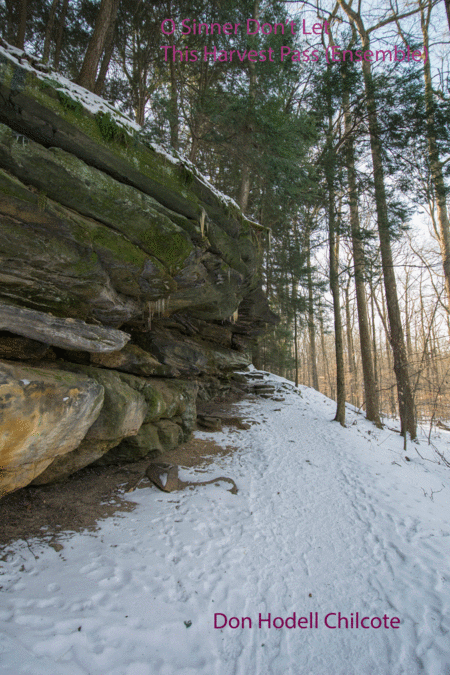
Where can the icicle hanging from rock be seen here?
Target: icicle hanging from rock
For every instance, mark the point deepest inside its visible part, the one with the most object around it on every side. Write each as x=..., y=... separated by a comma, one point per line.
x=158, y=307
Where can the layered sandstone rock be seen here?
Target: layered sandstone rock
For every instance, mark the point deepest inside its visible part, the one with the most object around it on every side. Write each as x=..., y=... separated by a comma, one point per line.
x=44, y=414
x=128, y=284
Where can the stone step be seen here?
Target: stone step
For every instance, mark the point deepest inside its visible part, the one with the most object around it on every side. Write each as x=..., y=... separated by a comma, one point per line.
x=264, y=390
x=208, y=422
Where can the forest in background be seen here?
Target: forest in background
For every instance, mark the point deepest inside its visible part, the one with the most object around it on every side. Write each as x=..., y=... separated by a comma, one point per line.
x=346, y=160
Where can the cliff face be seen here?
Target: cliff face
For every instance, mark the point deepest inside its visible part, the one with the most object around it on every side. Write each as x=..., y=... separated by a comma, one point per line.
x=127, y=283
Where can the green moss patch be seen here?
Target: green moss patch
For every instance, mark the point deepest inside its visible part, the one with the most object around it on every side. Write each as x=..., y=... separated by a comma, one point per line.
x=110, y=130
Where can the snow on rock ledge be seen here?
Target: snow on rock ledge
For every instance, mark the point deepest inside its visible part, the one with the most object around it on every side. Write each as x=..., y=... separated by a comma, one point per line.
x=106, y=238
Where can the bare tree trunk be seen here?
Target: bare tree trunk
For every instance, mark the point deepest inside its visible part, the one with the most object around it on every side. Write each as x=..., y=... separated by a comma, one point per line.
x=295, y=347
x=370, y=388
x=244, y=190
x=334, y=286
x=106, y=15
x=384, y=321
x=350, y=350
x=49, y=31
x=174, y=121
x=374, y=339
x=59, y=37
x=194, y=147
x=107, y=55
x=408, y=318
x=325, y=356
x=311, y=325
x=20, y=41
x=405, y=395
x=10, y=30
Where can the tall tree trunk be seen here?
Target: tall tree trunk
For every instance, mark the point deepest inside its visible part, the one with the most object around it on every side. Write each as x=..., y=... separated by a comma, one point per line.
x=405, y=394
x=334, y=286
x=60, y=34
x=107, y=55
x=350, y=351
x=11, y=22
x=106, y=15
x=437, y=177
x=295, y=346
x=20, y=40
x=384, y=321
x=244, y=190
x=174, y=121
x=409, y=350
x=49, y=31
x=194, y=146
x=326, y=367
x=333, y=242
x=370, y=388
x=311, y=326
x=374, y=340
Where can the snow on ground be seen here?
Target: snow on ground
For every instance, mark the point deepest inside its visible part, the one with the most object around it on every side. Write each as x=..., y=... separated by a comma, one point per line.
x=327, y=520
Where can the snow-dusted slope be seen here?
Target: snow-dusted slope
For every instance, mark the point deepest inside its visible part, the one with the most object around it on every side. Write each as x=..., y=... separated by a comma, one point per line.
x=326, y=520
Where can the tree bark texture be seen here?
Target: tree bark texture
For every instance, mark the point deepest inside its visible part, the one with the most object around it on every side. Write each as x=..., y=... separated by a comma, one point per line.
x=60, y=34
x=334, y=286
x=370, y=388
x=311, y=326
x=405, y=395
x=106, y=15
x=20, y=41
x=49, y=31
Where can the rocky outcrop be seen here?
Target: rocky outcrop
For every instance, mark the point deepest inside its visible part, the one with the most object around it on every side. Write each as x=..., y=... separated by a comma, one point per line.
x=43, y=414
x=122, y=414
x=66, y=333
x=171, y=417
x=123, y=273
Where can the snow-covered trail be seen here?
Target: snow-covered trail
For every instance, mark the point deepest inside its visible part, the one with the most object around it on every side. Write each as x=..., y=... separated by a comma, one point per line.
x=326, y=520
